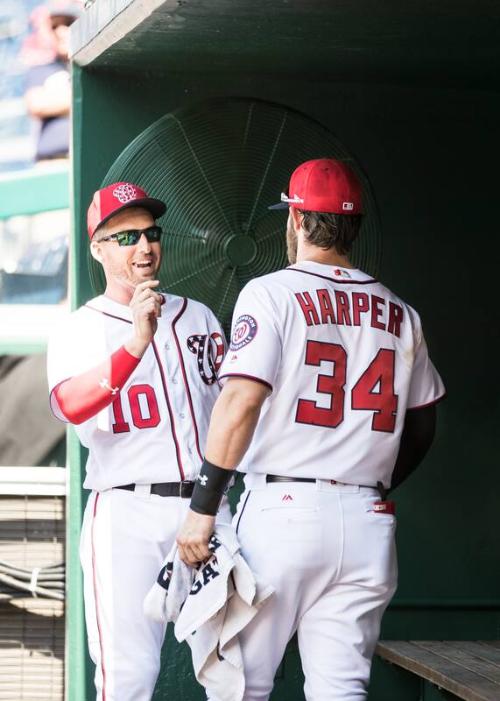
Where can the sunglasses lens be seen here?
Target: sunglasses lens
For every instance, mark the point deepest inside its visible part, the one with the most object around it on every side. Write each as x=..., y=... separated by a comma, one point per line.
x=153, y=233
x=128, y=238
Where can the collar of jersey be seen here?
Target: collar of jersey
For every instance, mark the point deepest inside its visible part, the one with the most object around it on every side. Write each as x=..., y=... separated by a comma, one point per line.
x=327, y=270
x=109, y=306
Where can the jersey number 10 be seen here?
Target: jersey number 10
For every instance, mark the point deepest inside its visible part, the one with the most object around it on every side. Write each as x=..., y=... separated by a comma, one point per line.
x=150, y=420
x=383, y=402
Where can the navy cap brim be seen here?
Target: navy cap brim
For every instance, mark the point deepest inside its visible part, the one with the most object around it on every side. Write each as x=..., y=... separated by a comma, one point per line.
x=280, y=205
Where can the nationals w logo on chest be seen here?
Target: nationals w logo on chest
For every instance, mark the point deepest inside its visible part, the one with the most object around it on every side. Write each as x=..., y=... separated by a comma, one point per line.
x=209, y=351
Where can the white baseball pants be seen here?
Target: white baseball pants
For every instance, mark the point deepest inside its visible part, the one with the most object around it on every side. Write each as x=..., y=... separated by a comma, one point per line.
x=125, y=539
x=332, y=561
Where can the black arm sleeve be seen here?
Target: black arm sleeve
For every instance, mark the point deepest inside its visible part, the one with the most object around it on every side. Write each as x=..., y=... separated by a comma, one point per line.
x=417, y=437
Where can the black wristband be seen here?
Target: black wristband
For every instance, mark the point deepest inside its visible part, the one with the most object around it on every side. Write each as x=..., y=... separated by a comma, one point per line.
x=209, y=488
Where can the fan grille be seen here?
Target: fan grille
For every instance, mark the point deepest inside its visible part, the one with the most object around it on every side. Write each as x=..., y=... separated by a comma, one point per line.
x=218, y=165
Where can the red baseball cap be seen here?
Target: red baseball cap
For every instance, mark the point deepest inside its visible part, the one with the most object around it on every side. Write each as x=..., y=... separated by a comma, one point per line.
x=113, y=198
x=323, y=185
x=65, y=8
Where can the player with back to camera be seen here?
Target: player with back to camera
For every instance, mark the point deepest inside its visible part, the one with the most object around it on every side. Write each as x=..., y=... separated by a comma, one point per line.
x=328, y=402
x=136, y=372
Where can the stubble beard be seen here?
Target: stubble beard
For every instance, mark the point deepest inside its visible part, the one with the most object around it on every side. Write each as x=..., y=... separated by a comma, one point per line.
x=128, y=277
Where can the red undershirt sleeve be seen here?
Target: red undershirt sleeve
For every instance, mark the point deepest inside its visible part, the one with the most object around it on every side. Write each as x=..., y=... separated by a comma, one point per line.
x=83, y=396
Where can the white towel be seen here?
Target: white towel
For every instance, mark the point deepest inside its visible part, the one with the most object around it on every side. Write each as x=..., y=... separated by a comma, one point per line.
x=210, y=605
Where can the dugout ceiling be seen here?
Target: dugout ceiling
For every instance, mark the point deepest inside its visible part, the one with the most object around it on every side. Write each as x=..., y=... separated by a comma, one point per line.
x=450, y=41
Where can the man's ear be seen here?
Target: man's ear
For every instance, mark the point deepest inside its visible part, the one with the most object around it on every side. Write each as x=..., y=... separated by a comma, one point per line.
x=95, y=250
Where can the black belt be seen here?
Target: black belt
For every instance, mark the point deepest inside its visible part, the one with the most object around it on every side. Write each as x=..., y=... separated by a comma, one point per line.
x=279, y=478
x=165, y=489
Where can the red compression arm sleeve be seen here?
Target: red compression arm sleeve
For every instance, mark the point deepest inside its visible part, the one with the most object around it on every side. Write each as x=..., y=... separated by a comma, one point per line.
x=83, y=396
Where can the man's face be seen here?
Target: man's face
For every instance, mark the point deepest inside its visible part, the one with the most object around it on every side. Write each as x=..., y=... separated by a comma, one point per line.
x=291, y=240
x=129, y=264
x=60, y=31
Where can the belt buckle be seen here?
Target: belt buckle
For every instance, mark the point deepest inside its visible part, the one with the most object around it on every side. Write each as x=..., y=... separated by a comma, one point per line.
x=184, y=487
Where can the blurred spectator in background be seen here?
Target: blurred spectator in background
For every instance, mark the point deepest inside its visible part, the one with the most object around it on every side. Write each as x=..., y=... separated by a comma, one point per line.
x=48, y=95
x=33, y=247
x=38, y=47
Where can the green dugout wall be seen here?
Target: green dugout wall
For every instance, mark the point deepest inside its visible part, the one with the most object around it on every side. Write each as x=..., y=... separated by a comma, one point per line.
x=413, y=93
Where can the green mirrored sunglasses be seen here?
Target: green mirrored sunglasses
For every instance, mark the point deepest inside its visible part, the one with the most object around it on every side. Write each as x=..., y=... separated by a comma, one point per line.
x=132, y=236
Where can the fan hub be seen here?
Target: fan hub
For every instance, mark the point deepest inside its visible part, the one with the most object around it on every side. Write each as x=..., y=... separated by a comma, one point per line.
x=240, y=250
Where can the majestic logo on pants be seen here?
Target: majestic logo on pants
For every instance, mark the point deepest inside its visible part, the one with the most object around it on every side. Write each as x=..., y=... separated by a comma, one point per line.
x=210, y=354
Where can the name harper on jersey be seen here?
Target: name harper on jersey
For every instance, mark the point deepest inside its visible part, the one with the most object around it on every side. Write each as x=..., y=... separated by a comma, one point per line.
x=350, y=309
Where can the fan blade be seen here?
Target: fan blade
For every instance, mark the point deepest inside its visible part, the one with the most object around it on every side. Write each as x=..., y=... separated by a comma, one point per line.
x=218, y=165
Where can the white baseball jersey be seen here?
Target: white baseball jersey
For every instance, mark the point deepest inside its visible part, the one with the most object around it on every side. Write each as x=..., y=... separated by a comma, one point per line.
x=155, y=429
x=344, y=358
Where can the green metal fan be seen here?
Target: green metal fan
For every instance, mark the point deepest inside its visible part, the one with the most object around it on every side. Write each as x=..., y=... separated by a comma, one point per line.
x=218, y=165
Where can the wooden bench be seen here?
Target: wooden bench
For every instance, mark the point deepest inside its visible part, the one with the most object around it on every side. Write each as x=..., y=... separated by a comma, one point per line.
x=468, y=669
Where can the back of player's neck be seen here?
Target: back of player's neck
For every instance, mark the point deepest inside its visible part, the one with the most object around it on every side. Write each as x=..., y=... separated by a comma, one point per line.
x=324, y=257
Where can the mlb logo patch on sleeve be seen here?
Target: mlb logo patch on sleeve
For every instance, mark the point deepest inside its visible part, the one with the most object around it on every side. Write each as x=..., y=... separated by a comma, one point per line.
x=244, y=331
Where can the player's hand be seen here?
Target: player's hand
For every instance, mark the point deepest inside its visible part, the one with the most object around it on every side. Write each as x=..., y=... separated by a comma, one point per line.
x=193, y=537
x=146, y=308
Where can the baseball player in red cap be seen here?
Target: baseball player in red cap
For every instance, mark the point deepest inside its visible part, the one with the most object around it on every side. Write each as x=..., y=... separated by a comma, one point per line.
x=328, y=402
x=135, y=371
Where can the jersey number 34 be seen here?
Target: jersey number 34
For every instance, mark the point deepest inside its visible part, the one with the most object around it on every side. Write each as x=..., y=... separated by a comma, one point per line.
x=374, y=390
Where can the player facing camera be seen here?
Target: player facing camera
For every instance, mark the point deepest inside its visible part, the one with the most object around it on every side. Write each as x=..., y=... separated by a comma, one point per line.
x=127, y=369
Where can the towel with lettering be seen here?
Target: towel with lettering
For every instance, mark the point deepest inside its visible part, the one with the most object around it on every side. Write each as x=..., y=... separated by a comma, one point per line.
x=210, y=605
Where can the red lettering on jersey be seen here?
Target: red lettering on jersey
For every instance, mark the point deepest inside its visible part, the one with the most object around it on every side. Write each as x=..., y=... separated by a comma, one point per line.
x=360, y=304
x=374, y=391
x=119, y=425
x=308, y=308
x=343, y=312
x=376, y=312
x=307, y=410
x=326, y=307
x=139, y=420
x=395, y=319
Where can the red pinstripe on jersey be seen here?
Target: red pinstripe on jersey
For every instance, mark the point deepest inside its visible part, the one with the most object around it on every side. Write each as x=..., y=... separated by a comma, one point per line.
x=184, y=376
x=165, y=390
x=247, y=377
x=170, y=413
x=423, y=406
x=332, y=279
x=94, y=582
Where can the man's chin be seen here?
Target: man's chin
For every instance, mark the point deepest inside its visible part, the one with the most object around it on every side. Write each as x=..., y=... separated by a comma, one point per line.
x=143, y=276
